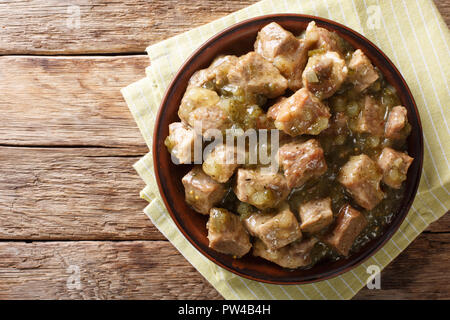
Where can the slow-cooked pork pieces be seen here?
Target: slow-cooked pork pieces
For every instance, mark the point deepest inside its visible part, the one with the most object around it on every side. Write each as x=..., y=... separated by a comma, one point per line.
x=341, y=150
x=221, y=163
x=180, y=142
x=301, y=113
x=362, y=73
x=316, y=215
x=288, y=53
x=276, y=229
x=349, y=224
x=256, y=75
x=301, y=162
x=226, y=233
x=395, y=166
x=201, y=191
x=260, y=188
x=324, y=74
x=397, y=126
x=295, y=255
x=361, y=177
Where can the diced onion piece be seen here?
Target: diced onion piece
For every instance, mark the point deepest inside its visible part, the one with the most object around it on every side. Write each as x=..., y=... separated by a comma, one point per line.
x=353, y=109
x=311, y=76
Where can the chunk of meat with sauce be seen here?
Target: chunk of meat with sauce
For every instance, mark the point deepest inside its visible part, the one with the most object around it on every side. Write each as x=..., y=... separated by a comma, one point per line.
x=349, y=224
x=272, y=112
x=316, y=215
x=337, y=132
x=276, y=229
x=201, y=191
x=180, y=142
x=215, y=75
x=256, y=75
x=371, y=117
x=288, y=53
x=395, y=167
x=301, y=162
x=221, y=163
x=338, y=128
x=361, y=177
x=362, y=73
x=324, y=74
x=301, y=113
x=397, y=126
x=261, y=189
x=226, y=233
x=200, y=106
x=292, y=256
x=338, y=124
x=213, y=120
x=324, y=40
x=196, y=98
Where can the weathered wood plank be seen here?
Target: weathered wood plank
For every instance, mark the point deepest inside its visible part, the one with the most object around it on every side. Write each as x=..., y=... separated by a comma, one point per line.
x=107, y=270
x=420, y=272
x=155, y=270
x=76, y=194
x=443, y=7
x=51, y=27
x=68, y=100
x=440, y=226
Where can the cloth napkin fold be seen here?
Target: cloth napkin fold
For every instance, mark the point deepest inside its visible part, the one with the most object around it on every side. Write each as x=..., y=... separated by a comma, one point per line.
x=412, y=34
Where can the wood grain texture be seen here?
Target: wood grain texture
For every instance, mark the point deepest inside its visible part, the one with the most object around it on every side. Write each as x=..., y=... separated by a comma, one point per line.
x=67, y=144
x=420, y=272
x=443, y=6
x=155, y=270
x=71, y=194
x=107, y=270
x=105, y=26
x=50, y=27
x=60, y=101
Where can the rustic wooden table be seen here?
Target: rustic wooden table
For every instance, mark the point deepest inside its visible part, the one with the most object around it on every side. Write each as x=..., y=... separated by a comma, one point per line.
x=69, y=204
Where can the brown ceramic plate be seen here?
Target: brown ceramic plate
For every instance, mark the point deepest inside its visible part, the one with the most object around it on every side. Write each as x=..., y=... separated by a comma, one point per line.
x=238, y=39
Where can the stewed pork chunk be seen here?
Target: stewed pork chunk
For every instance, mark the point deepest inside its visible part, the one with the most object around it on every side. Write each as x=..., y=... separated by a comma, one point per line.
x=395, y=166
x=215, y=75
x=256, y=75
x=305, y=125
x=221, y=163
x=324, y=40
x=301, y=162
x=201, y=191
x=301, y=113
x=316, y=215
x=180, y=142
x=338, y=125
x=362, y=73
x=295, y=255
x=200, y=106
x=348, y=226
x=261, y=189
x=371, y=117
x=288, y=53
x=276, y=229
x=324, y=74
x=226, y=233
x=361, y=177
x=397, y=126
